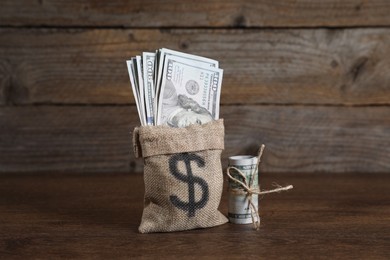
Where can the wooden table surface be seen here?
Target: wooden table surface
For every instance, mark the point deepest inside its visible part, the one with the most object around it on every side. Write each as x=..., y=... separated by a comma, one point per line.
x=96, y=216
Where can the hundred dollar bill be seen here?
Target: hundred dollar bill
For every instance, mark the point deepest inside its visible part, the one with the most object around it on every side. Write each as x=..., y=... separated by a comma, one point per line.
x=239, y=211
x=190, y=92
x=140, y=84
x=130, y=69
x=148, y=73
x=163, y=53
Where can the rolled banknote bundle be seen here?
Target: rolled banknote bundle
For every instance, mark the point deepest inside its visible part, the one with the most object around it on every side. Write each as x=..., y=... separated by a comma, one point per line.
x=239, y=209
x=244, y=189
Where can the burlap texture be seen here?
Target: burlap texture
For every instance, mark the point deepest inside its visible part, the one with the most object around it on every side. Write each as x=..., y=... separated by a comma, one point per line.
x=183, y=176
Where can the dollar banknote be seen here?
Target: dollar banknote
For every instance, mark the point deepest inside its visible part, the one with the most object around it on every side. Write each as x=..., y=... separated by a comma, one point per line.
x=189, y=94
x=148, y=72
x=175, y=88
x=134, y=87
x=163, y=53
x=140, y=84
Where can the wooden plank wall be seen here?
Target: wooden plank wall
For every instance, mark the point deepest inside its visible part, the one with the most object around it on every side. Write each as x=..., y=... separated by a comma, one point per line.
x=310, y=79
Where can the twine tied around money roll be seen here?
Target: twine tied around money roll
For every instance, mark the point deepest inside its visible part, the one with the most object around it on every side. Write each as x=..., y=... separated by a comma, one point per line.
x=248, y=190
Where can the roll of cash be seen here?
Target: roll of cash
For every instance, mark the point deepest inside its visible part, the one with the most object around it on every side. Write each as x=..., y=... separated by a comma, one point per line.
x=239, y=211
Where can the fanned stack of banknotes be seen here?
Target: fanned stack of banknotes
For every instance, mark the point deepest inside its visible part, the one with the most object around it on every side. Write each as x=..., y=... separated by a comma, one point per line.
x=175, y=88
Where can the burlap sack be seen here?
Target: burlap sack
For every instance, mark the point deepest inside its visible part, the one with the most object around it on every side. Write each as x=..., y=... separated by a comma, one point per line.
x=182, y=174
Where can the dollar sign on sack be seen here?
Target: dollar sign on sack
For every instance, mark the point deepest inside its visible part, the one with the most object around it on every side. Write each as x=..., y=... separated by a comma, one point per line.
x=191, y=206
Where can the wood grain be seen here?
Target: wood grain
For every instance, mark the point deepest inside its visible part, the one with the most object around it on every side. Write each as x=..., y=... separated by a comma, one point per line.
x=302, y=66
x=214, y=13
x=325, y=216
x=98, y=139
